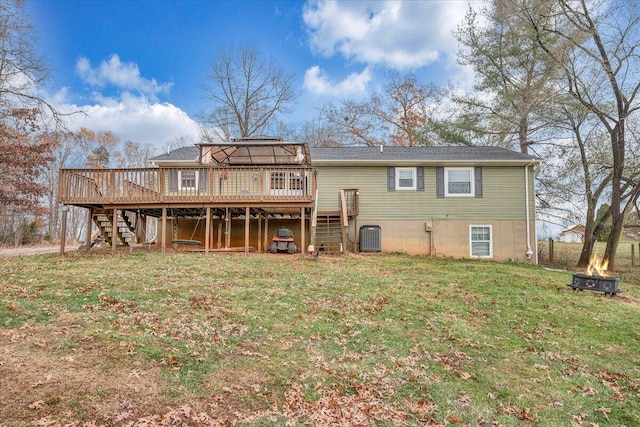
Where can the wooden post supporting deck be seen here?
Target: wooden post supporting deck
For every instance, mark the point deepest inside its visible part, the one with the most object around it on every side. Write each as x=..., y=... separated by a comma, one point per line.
x=63, y=232
x=220, y=234
x=207, y=231
x=88, y=242
x=259, y=233
x=266, y=233
x=114, y=231
x=303, y=234
x=246, y=230
x=163, y=236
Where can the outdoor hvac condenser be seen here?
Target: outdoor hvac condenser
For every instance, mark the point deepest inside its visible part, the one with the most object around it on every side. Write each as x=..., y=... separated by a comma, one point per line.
x=370, y=238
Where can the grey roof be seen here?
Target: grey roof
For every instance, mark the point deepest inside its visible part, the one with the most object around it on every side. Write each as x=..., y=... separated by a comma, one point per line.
x=440, y=154
x=388, y=155
x=179, y=154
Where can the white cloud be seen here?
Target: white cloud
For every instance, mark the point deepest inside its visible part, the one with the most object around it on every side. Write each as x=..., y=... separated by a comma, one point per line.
x=398, y=34
x=123, y=75
x=317, y=82
x=132, y=113
x=134, y=118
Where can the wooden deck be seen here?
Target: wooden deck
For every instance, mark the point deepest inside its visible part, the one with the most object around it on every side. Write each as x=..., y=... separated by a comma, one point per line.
x=149, y=188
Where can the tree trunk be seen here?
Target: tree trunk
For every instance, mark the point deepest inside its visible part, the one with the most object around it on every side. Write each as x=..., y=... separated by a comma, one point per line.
x=590, y=236
x=617, y=217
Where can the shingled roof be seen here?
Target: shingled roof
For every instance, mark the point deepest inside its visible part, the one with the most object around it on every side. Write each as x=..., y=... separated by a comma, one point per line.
x=386, y=155
x=440, y=154
x=179, y=154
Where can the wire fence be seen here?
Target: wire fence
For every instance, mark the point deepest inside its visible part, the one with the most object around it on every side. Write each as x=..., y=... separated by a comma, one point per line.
x=551, y=252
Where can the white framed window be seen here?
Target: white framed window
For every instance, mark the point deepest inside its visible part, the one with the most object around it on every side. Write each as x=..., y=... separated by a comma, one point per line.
x=405, y=178
x=458, y=182
x=481, y=241
x=286, y=183
x=187, y=180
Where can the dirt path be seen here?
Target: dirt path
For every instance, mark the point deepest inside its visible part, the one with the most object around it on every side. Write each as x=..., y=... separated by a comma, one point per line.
x=11, y=252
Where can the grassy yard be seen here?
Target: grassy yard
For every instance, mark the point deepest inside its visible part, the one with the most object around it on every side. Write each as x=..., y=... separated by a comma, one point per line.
x=144, y=339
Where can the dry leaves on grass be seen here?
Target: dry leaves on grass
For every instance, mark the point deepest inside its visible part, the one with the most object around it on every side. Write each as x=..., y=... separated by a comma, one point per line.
x=523, y=414
x=337, y=408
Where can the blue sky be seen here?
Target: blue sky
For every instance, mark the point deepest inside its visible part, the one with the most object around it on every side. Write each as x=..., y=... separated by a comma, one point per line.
x=137, y=67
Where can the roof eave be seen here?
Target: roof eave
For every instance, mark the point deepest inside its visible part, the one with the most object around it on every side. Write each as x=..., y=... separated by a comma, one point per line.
x=413, y=162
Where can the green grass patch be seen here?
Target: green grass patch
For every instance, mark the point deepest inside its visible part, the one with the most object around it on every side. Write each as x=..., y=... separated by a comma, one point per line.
x=391, y=339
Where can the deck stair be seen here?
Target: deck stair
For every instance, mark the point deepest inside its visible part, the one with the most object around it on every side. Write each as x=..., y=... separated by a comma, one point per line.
x=125, y=230
x=328, y=233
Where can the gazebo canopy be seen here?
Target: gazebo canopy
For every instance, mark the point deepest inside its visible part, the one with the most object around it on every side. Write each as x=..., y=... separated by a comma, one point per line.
x=255, y=151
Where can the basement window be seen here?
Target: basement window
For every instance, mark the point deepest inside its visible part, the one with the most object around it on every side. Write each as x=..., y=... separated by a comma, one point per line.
x=480, y=241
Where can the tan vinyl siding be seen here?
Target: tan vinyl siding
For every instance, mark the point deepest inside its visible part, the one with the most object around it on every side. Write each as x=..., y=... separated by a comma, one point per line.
x=503, y=195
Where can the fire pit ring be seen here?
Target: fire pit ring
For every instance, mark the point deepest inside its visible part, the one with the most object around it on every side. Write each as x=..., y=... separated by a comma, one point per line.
x=608, y=285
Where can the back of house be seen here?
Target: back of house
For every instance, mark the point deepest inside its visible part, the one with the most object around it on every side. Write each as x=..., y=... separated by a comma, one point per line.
x=452, y=201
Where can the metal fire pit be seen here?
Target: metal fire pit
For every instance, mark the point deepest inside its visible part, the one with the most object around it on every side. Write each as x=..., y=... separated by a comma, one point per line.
x=608, y=285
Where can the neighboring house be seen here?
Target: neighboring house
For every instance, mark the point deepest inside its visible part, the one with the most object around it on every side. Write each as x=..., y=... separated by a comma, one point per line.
x=573, y=234
x=462, y=202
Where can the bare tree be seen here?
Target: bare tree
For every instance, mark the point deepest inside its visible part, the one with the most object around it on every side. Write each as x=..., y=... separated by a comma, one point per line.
x=600, y=74
x=401, y=114
x=22, y=115
x=22, y=70
x=247, y=93
x=133, y=155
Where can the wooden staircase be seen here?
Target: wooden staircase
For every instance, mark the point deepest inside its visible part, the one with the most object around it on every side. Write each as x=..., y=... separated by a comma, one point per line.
x=329, y=228
x=329, y=232
x=125, y=230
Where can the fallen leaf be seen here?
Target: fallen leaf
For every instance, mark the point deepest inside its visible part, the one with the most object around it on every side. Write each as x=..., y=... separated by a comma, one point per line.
x=619, y=398
x=37, y=405
x=123, y=416
x=526, y=415
x=454, y=419
x=604, y=411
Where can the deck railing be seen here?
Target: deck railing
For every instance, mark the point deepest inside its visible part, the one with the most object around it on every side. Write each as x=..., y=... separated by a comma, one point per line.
x=186, y=184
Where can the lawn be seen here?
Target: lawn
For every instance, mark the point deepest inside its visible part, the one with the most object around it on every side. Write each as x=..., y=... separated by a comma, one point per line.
x=145, y=339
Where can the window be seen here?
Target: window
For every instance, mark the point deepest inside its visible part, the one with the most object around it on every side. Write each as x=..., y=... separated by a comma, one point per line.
x=459, y=182
x=406, y=178
x=187, y=180
x=289, y=183
x=278, y=182
x=480, y=241
x=296, y=183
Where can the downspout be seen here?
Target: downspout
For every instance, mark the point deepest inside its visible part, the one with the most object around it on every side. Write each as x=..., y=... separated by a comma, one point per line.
x=528, y=216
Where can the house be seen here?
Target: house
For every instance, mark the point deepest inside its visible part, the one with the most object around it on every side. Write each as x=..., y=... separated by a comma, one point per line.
x=453, y=201
x=462, y=202
x=573, y=234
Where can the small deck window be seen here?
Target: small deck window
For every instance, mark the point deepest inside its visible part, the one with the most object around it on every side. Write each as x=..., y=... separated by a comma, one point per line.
x=286, y=183
x=187, y=180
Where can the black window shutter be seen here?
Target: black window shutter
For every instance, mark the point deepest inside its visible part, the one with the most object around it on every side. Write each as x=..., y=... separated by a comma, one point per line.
x=420, y=178
x=478, y=177
x=391, y=178
x=173, y=180
x=440, y=181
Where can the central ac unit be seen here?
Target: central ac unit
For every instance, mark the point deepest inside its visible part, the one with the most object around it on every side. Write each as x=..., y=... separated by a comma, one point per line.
x=370, y=238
